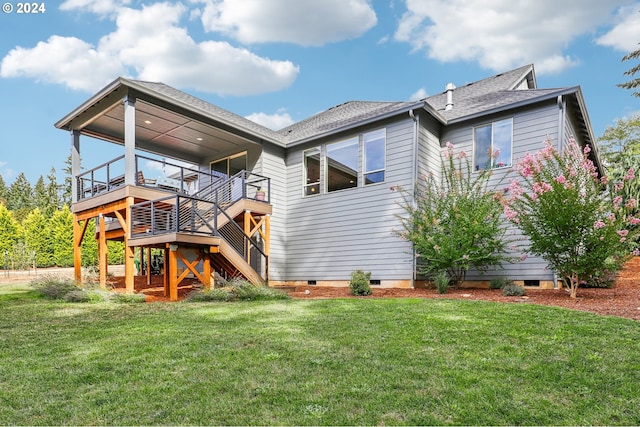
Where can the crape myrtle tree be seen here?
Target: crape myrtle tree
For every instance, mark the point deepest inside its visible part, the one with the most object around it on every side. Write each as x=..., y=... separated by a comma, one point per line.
x=575, y=220
x=454, y=221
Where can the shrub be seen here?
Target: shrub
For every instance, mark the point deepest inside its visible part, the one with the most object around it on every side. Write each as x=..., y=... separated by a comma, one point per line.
x=455, y=220
x=78, y=295
x=499, y=282
x=203, y=295
x=53, y=287
x=127, y=298
x=513, y=290
x=237, y=289
x=360, y=283
x=441, y=282
x=574, y=219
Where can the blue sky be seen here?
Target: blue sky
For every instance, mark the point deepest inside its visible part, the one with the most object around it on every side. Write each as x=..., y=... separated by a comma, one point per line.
x=280, y=61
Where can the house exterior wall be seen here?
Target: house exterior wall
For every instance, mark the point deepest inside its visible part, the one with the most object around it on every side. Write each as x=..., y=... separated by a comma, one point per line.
x=531, y=127
x=329, y=235
x=272, y=165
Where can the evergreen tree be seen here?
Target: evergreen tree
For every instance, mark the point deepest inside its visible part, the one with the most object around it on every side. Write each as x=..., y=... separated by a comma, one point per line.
x=53, y=192
x=20, y=198
x=33, y=226
x=40, y=195
x=60, y=230
x=67, y=188
x=9, y=234
x=634, y=83
x=4, y=191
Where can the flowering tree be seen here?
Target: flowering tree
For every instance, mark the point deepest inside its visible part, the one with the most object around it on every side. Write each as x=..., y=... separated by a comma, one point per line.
x=573, y=218
x=455, y=222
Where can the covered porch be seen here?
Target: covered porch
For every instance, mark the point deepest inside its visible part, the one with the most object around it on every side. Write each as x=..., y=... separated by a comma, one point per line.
x=163, y=193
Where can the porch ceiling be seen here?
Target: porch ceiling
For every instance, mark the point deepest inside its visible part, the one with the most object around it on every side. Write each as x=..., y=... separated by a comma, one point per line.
x=168, y=122
x=161, y=131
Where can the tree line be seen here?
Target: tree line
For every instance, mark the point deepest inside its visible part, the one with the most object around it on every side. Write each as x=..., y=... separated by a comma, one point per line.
x=36, y=226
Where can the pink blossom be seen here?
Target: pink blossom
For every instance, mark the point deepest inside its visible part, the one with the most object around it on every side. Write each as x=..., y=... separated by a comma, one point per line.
x=449, y=145
x=618, y=186
x=631, y=203
x=633, y=220
x=622, y=233
x=462, y=155
x=523, y=257
x=510, y=213
x=636, y=252
x=630, y=175
x=599, y=224
x=611, y=217
x=561, y=179
x=617, y=201
x=587, y=149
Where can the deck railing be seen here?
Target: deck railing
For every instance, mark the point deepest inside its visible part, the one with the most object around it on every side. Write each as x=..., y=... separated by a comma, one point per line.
x=149, y=172
x=201, y=213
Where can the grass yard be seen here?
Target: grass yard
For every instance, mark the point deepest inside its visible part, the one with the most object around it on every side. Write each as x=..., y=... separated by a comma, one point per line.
x=315, y=362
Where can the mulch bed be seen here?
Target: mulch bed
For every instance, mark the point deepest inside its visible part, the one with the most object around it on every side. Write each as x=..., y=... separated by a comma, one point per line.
x=623, y=300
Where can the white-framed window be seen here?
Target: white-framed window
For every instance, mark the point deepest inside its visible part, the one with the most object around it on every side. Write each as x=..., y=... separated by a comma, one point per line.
x=493, y=145
x=342, y=164
x=374, y=157
x=312, y=171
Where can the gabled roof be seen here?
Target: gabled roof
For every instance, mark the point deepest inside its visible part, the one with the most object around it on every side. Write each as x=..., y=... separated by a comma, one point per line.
x=343, y=116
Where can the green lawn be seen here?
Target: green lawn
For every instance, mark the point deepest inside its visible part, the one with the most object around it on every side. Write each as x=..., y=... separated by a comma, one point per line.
x=314, y=362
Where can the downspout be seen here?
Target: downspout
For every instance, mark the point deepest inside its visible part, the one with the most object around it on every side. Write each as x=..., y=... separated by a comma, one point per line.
x=414, y=174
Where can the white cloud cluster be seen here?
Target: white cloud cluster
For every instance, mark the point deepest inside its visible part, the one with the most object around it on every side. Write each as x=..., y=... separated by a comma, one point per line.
x=149, y=44
x=276, y=121
x=305, y=23
x=625, y=35
x=501, y=34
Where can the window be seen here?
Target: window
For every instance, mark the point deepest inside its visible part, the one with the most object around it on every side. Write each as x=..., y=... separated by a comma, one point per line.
x=492, y=145
x=312, y=171
x=342, y=165
x=374, y=156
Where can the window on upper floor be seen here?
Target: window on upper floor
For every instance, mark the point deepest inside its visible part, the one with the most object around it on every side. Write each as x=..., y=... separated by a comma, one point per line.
x=374, y=156
x=492, y=145
x=342, y=165
x=312, y=171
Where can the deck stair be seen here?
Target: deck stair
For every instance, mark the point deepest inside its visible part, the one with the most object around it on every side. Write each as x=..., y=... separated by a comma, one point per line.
x=221, y=217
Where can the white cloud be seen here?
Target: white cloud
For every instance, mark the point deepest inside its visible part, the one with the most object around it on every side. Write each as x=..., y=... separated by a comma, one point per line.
x=625, y=35
x=275, y=121
x=305, y=23
x=418, y=95
x=95, y=6
x=501, y=34
x=62, y=60
x=149, y=44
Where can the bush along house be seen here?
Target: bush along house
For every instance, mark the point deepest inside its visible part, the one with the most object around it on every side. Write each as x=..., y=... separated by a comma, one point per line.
x=214, y=194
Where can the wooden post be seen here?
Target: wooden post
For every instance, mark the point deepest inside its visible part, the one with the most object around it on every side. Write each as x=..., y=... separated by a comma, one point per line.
x=149, y=266
x=166, y=270
x=102, y=252
x=206, y=267
x=129, y=255
x=247, y=231
x=78, y=233
x=173, y=272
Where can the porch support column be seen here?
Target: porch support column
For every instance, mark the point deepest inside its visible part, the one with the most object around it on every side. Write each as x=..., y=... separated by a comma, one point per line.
x=206, y=268
x=247, y=231
x=129, y=254
x=75, y=164
x=102, y=252
x=129, y=140
x=173, y=272
x=78, y=234
x=149, y=265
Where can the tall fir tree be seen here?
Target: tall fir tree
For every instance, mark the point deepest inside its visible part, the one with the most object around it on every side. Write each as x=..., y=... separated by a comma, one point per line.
x=20, y=198
x=9, y=235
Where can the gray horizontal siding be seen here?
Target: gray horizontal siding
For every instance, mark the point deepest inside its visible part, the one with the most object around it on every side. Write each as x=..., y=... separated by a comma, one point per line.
x=331, y=234
x=272, y=164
